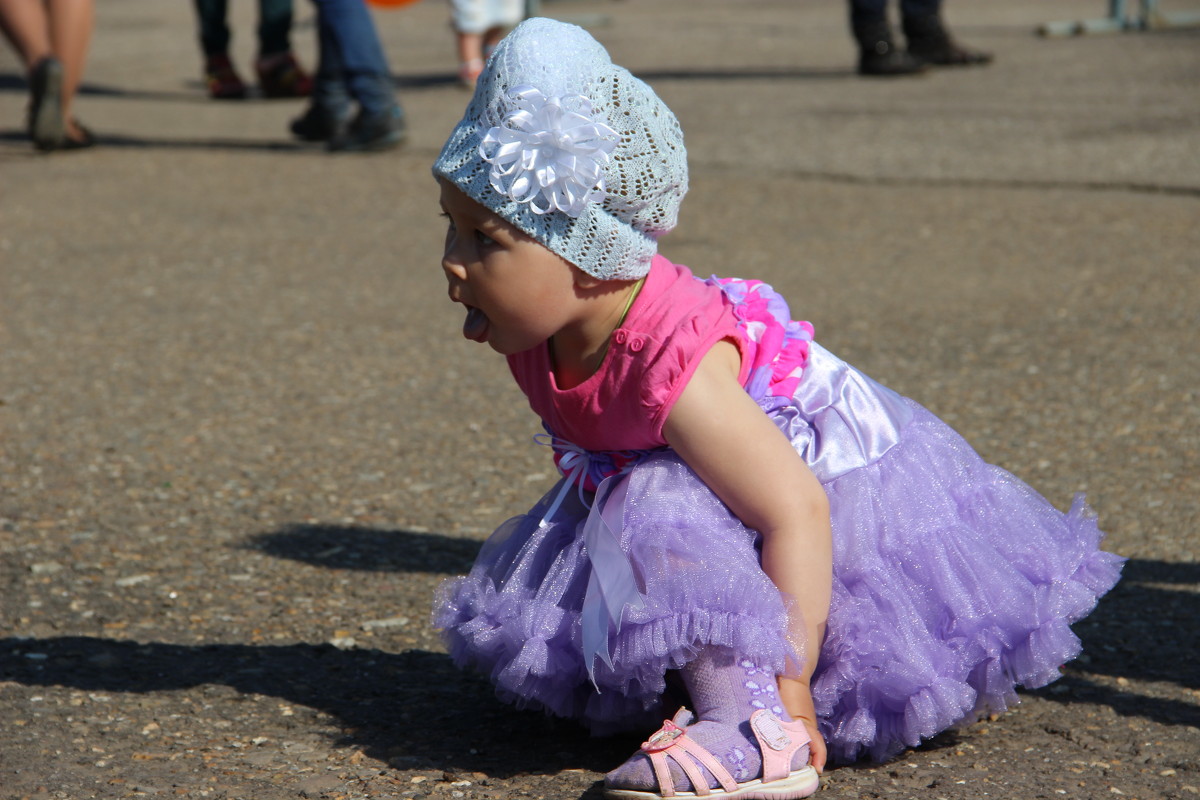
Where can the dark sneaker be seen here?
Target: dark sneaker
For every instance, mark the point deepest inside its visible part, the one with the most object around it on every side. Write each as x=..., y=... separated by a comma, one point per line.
x=46, y=125
x=222, y=79
x=885, y=61
x=371, y=133
x=318, y=124
x=878, y=54
x=929, y=41
x=281, y=75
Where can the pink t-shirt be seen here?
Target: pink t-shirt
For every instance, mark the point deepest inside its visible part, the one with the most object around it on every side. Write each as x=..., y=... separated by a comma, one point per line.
x=674, y=321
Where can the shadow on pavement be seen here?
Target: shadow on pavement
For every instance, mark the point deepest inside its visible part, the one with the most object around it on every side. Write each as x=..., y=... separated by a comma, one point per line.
x=1143, y=630
x=1073, y=688
x=1146, y=628
x=137, y=142
x=15, y=82
x=413, y=709
x=746, y=74
x=194, y=92
x=371, y=549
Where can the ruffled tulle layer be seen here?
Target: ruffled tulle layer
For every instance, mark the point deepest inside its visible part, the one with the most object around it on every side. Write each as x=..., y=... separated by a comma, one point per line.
x=516, y=615
x=954, y=582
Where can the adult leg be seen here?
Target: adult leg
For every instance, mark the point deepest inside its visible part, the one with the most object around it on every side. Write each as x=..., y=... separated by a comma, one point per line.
x=26, y=27
x=52, y=40
x=367, y=78
x=329, y=112
x=930, y=41
x=71, y=23
x=274, y=27
x=920, y=7
x=220, y=78
x=279, y=73
x=329, y=90
x=364, y=66
x=212, y=16
x=877, y=51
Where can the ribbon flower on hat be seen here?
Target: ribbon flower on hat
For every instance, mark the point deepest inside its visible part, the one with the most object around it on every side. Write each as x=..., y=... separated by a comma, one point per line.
x=544, y=154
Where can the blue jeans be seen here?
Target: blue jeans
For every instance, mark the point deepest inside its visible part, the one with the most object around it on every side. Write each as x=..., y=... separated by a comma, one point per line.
x=864, y=11
x=352, y=64
x=274, y=26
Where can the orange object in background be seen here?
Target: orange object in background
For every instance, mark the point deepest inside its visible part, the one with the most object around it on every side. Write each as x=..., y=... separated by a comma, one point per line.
x=391, y=3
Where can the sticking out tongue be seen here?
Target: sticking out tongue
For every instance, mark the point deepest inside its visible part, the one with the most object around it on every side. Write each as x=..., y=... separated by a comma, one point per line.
x=475, y=326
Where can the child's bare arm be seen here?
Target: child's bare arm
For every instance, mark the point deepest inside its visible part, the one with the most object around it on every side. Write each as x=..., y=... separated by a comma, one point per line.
x=736, y=449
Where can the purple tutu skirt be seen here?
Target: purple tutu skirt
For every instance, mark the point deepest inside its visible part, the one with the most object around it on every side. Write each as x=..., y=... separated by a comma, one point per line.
x=953, y=581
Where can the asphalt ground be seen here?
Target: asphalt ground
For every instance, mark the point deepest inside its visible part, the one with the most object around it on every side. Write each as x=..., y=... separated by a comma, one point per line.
x=242, y=439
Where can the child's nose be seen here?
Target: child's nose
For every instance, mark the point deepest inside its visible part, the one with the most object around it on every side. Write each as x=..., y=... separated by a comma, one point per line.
x=452, y=266
x=452, y=263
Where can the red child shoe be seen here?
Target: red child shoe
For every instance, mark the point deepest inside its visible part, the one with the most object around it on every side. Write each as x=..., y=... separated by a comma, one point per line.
x=281, y=75
x=222, y=79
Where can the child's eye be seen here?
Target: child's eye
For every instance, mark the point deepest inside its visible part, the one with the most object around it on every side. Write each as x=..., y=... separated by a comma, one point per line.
x=483, y=239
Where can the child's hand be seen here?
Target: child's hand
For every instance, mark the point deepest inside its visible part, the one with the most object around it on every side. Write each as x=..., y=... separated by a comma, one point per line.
x=797, y=699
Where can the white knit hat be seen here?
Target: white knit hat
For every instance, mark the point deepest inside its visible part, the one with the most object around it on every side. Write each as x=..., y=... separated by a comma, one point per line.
x=571, y=149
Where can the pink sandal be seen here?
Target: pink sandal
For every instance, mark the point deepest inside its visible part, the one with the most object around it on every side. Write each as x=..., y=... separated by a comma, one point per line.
x=778, y=742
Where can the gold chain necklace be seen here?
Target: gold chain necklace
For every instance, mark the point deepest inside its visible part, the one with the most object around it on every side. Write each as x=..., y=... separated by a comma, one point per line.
x=633, y=293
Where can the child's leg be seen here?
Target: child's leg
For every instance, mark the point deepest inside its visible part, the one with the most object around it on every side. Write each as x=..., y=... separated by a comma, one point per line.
x=491, y=39
x=470, y=56
x=724, y=692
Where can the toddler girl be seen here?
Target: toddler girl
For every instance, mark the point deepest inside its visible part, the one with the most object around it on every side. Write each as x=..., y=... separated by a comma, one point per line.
x=737, y=504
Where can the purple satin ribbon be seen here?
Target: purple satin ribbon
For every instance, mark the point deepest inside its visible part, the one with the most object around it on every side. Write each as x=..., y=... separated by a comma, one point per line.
x=839, y=419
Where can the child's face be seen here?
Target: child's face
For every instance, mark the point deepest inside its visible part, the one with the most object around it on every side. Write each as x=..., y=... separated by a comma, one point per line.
x=518, y=294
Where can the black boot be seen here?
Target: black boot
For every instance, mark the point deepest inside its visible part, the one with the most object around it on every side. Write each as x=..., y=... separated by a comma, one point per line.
x=878, y=54
x=929, y=41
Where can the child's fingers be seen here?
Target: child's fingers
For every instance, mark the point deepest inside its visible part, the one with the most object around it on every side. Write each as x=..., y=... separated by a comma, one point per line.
x=817, y=752
x=797, y=699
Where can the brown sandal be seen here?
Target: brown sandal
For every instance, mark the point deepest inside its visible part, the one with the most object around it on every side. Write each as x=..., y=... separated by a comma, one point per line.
x=86, y=138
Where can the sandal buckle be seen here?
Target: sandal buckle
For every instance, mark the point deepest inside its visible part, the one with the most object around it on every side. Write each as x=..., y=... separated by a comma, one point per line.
x=664, y=738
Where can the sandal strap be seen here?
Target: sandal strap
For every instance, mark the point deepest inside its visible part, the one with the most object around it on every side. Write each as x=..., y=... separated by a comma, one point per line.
x=778, y=742
x=690, y=755
x=662, y=774
x=690, y=746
